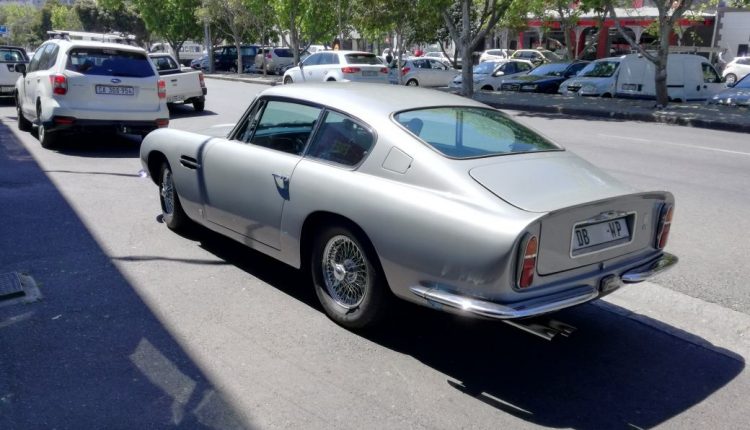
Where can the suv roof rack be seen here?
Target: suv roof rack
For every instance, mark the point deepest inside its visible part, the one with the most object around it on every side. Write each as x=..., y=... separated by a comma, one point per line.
x=56, y=34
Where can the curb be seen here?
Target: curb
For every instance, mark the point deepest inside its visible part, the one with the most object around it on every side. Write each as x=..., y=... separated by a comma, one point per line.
x=260, y=81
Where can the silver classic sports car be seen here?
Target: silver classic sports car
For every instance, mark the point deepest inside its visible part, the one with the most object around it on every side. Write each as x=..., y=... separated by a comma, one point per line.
x=383, y=191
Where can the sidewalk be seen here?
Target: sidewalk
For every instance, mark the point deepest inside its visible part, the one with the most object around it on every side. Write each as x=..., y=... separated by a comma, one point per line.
x=695, y=114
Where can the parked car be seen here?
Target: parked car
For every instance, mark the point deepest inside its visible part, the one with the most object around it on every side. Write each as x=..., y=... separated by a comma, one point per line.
x=599, y=78
x=738, y=94
x=483, y=70
x=545, y=78
x=506, y=70
x=440, y=200
x=77, y=86
x=437, y=55
x=344, y=66
x=225, y=57
x=200, y=63
x=689, y=77
x=736, y=69
x=275, y=60
x=9, y=57
x=423, y=72
x=183, y=86
x=495, y=54
x=536, y=56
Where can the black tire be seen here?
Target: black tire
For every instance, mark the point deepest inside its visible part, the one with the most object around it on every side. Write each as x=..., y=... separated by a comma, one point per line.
x=199, y=104
x=232, y=69
x=23, y=123
x=336, y=252
x=47, y=139
x=172, y=213
x=288, y=80
x=487, y=88
x=412, y=83
x=730, y=78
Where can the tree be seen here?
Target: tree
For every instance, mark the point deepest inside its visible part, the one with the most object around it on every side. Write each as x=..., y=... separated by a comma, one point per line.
x=22, y=22
x=233, y=18
x=670, y=12
x=65, y=18
x=304, y=22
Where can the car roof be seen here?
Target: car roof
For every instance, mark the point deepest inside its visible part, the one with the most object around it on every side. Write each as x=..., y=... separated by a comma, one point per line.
x=365, y=99
x=96, y=44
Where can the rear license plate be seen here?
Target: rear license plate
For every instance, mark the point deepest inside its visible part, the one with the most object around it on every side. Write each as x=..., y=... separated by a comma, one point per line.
x=115, y=90
x=369, y=73
x=175, y=99
x=591, y=235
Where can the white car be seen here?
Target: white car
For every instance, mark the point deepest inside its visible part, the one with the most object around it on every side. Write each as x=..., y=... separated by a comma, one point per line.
x=424, y=72
x=599, y=78
x=73, y=86
x=184, y=85
x=495, y=54
x=496, y=69
x=341, y=66
x=9, y=57
x=736, y=69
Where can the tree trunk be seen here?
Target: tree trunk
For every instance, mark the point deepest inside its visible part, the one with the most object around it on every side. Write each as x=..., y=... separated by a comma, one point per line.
x=467, y=78
x=660, y=65
x=238, y=45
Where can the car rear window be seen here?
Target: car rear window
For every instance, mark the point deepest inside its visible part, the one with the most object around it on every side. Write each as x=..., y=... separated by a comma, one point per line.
x=10, y=55
x=109, y=62
x=363, y=59
x=469, y=132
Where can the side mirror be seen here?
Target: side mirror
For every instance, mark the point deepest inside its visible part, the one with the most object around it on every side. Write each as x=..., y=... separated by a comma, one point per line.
x=20, y=68
x=498, y=73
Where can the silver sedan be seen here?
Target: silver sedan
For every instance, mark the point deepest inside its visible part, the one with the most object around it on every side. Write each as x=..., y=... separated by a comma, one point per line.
x=383, y=191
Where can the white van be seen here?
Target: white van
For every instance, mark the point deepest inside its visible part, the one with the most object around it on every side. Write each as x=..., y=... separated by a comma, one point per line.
x=689, y=77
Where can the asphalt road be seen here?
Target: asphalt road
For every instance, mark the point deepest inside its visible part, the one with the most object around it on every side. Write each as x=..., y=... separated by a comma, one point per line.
x=143, y=328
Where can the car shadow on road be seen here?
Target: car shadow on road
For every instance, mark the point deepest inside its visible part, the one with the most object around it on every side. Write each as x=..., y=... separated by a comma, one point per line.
x=100, y=145
x=187, y=111
x=614, y=372
x=91, y=353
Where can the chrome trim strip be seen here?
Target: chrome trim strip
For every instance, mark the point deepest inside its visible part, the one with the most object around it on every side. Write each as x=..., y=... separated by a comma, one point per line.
x=653, y=268
x=524, y=309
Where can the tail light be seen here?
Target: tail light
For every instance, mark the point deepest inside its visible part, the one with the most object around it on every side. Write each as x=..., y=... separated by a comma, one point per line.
x=161, y=89
x=528, y=264
x=405, y=70
x=383, y=70
x=351, y=69
x=59, y=84
x=269, y=56
x=63, y=120
x=162, y=122
x=202, y=80
x=665, y=222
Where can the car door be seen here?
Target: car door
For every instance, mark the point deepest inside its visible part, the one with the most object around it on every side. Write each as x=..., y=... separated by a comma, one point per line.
x=308, y=65
x=249, y=178
x=44, y=59
x=442, y=74
x=712, y=82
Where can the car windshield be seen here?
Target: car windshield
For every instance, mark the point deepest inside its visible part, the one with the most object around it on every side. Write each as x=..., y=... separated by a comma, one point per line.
x=743, y=83
x=600, y=69
x=471, y=132
x=551, y=55
x=109, y=62
x=485, y=68
x=10, y=55
x=248, y=50
x=362, y=59
x=554, y=69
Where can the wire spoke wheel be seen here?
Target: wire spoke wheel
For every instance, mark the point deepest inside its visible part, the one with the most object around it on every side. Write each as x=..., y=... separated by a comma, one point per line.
x=167, y=192
x=345, y=272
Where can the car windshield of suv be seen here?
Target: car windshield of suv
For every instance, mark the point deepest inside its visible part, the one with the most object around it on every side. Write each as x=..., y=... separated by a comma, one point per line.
x=553, y=69
x=363, y=59
x=471, y=132
x=485, y=68
x=10, y=55
x=109, y=62
x=743, y=83
x=600, y=69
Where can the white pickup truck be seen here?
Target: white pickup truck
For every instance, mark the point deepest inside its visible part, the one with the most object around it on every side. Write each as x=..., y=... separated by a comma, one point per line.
x=184, y=85
x=9, y=57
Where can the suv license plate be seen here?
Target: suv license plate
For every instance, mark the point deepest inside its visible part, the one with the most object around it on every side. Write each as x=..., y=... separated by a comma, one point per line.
x=115, y=90
x=597, y=234
x=369, y=73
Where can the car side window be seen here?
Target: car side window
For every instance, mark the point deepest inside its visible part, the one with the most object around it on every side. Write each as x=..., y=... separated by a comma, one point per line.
x=34, y=64
x=285, y=126
x=332, y=58
x=709, y=74
x=438, y=65
x=523, y=67
x=342, y=140
x=312, y=60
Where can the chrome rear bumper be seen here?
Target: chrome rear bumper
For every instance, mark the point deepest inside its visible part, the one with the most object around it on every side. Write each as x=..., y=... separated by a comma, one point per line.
x=653, y=268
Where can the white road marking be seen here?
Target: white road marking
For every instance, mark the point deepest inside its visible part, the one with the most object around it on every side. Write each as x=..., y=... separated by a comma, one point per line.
x=705, y=148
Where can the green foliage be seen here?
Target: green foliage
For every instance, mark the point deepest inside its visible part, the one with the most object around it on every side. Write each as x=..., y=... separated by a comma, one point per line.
x=106, y=16
x=22, y=22
x=174, y=20
x=65, y=18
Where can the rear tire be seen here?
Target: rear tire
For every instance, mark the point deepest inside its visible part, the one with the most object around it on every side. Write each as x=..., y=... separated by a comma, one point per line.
x=348, y=280
x=172, y=213
x=199, y=104
x=23, y=123
x=487, y=88
x=730, y=78
x=412, y=83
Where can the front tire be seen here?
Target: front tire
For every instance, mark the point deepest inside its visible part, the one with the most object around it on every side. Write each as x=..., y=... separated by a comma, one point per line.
x=348, y=280
x=288, y=80
x=412, y=83
x=46, y=139
x=172, y=213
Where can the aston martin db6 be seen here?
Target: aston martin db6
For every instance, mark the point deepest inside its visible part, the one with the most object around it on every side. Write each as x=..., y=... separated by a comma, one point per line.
x=383, y=192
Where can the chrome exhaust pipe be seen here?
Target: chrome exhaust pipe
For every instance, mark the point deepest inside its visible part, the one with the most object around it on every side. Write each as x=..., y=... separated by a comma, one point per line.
x=546, y=329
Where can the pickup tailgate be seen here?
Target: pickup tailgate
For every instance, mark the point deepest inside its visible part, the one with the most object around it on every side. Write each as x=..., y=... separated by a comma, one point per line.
x=182, y=85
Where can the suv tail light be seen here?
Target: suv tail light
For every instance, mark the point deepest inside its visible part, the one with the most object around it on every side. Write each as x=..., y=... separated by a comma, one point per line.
x=528, y=264
x=405, y=70
x=665, y=222
x=351, y=69
x=59, y=84
x=202, y=80
x=161, y=89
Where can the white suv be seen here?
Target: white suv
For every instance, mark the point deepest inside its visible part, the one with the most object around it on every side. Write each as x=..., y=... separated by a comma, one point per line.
x=736, y=69
x=73, y=86
x=342, y=66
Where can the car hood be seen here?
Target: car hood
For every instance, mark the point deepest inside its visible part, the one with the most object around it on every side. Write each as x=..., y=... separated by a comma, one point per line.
x=545, y=182
x=734, y=96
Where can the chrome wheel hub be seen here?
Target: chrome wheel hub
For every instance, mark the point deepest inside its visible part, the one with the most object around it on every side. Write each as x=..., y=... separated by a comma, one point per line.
x=167, y=192
x=345, y=271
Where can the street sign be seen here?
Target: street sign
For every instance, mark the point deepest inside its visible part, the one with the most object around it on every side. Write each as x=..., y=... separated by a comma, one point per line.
x=3, y=31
